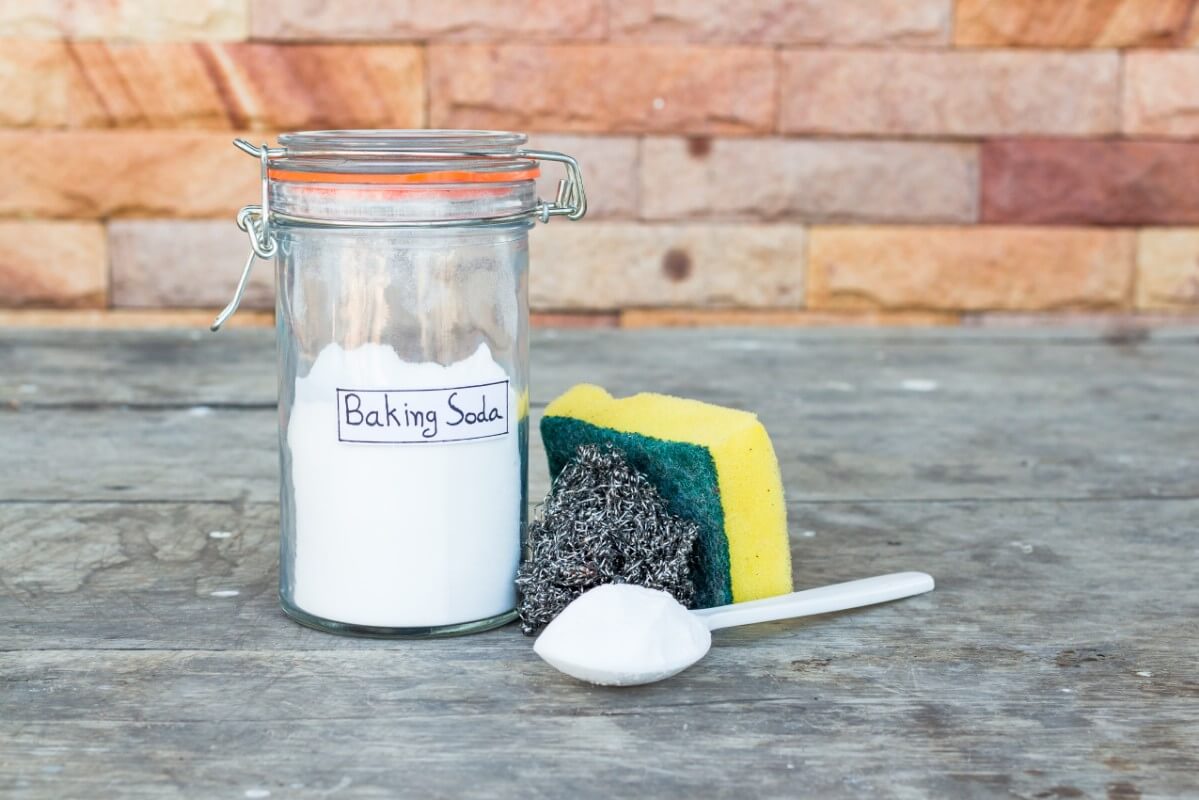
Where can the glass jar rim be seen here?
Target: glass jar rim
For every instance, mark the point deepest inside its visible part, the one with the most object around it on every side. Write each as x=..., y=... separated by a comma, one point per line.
x=405, y=156
x=398, y=140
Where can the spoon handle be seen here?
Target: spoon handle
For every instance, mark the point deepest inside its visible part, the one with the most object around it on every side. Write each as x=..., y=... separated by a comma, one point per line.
x=823, y=600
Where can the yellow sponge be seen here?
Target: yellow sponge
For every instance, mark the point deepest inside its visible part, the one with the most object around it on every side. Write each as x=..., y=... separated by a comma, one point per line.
x=713, y=465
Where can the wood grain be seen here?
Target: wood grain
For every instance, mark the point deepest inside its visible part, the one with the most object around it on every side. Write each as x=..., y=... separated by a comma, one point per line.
x=1045, y=480
x=190, y=416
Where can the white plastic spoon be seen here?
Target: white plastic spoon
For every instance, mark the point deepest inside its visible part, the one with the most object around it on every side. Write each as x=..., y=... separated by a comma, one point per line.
x=625, y=635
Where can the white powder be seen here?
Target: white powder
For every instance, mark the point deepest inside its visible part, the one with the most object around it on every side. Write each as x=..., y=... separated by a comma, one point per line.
x=621, y=634
x=402, y=534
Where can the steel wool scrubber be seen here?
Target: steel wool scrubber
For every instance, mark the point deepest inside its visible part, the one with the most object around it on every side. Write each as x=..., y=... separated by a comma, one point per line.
x=602, y=522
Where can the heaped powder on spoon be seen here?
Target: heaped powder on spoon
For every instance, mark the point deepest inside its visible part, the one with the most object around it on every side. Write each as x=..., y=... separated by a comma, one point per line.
x=401, y=535
x=620, y=634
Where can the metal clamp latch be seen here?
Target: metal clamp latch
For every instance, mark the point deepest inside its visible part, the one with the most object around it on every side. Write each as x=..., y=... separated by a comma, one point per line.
x=571, y=201
x=257, y=220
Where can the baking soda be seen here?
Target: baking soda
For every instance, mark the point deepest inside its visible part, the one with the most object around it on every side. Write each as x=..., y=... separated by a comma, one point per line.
x=623, y=634
x=406, y=480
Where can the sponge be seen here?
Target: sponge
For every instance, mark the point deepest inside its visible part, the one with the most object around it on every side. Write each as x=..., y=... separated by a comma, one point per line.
x=712, y=465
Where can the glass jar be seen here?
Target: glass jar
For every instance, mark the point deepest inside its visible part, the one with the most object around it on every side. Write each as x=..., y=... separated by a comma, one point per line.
x=402, y=320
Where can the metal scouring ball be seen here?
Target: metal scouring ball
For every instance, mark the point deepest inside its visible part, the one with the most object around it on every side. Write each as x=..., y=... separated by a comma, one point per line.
x=602, y=522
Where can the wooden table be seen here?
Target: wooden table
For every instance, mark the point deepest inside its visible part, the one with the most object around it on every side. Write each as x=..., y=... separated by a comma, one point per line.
x=1049, y=481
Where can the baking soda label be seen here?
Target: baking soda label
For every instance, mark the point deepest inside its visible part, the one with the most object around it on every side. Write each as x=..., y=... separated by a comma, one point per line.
x=423, y=416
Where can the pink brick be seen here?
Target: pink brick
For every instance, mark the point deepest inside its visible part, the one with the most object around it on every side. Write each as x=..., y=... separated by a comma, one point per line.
x=124, y=19
x=609, y=165
x=95, y=84
x=1092, y=182
x=183, y=264
x=1161, y=93
x=467, y=20
x=809, y=180
x=602, y=88
x=130, y=319
x=1118, y=327
x=36, y=84
x=614, y=265
x=1168, y=269
x=129, y=173
x=1071, y=23
x=882, y=92
x=574, y=319
x=875, y=22
x=974, y=268
x=52, y=264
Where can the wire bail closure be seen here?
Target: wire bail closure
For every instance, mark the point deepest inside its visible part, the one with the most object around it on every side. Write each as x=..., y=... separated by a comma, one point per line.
x=257, y=220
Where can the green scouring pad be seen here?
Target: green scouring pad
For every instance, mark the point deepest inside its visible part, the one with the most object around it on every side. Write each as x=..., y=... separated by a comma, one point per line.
x=602, y=522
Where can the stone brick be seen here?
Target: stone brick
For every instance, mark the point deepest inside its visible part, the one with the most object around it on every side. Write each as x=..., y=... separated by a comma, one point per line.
x=464, y=20
x=183, y=264
x=124, y=19
x=758, y=318
x=1160, y=93
x=602, y=88
x=97, y=84
x=808, y=22
x=124, y=318
x=969, y=268
x=1168, y=269
x=577, y=319
x=35, y=83
x=52, y=264
x=1116, y=327
x=609, y=165
x=124, y=173
x=886, y=92
x=617, y=265
x=829, y=181
x=1071, y=23
x=1091, y=182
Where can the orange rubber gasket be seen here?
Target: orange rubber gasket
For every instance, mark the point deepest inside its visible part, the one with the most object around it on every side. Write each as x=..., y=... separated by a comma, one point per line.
x=452, y=176
x=388, y=191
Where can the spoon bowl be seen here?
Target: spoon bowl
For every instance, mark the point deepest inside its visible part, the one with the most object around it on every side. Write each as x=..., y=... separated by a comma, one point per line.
x=623, y=635
x=627, y=635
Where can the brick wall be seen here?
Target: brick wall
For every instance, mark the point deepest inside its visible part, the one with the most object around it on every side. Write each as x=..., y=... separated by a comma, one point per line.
x=759, y=161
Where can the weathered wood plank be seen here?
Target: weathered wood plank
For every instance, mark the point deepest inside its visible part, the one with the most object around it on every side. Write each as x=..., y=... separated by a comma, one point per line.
x=1045, y=658
x=55, y=368
x=779, y=750
x=68, y=568
x=63, y=368
x=1123, y=439
x=823, y=742
x=883, y=416
x=201, y=454
x=1048, y=483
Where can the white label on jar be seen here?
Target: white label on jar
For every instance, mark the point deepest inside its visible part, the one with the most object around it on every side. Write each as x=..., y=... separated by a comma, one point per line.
x=423, y=416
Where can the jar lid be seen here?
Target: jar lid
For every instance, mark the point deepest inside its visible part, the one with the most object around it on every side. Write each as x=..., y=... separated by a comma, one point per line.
x=398, y=179
x=403, y=157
